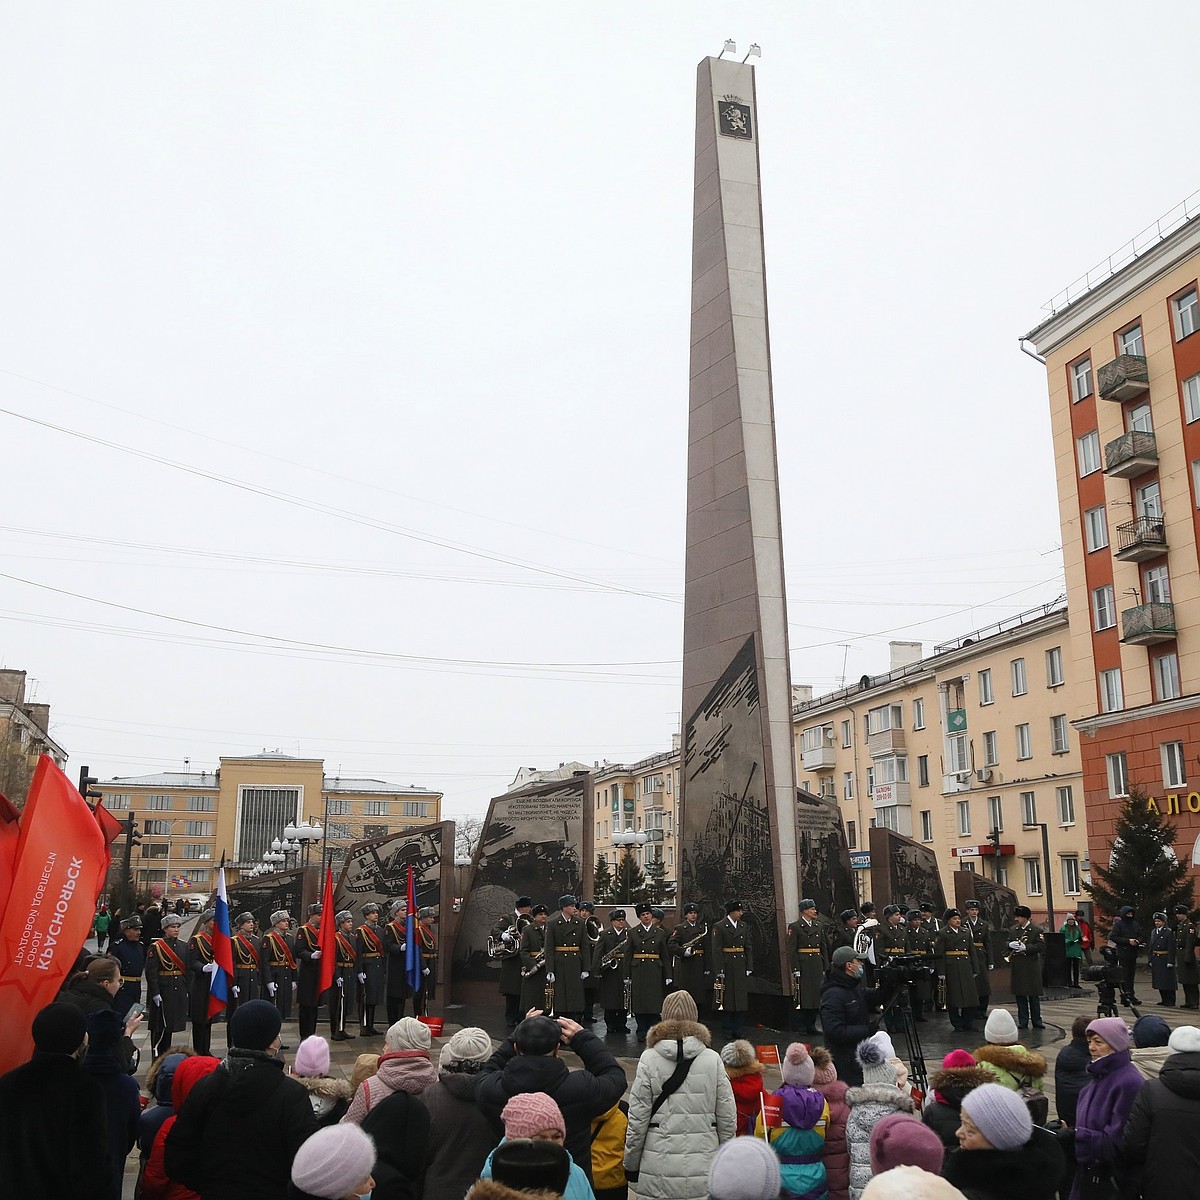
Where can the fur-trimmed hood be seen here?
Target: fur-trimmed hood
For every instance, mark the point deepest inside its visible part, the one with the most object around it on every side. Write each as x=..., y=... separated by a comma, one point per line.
x=952, y=1083
x=671, y=1031
x=326, y=1087
x=1016, y=1060
x=880, y=1093
x=489, y=1189
x=754, y=1068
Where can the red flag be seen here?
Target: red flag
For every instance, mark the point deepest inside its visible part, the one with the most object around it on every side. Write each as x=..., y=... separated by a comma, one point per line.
x=772, y=1111
x=326, y=935
x=10, y=834
x=58, y=869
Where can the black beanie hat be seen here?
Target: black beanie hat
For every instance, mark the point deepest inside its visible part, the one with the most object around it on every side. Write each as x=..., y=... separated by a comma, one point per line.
x=59, y=1029
x=254, y=1025
x=532, y=1165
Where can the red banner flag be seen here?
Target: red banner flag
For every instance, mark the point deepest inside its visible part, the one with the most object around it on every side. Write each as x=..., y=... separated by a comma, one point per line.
x=327, y=935
x=59, y=867
x=10, y=835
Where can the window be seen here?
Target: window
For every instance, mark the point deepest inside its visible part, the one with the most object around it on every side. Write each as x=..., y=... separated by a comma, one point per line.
x=1088, y=451
x=1033, y=876
x=985, y=687
x=199, y=828
x=338, y=831
x=154, y=850
x=991, y=753
x=1070, y=875
x=202, y=804
x=197, y=850
x=1139, y=419
x=926, y=826
x=848, y=785
x=889, y=716
x=1118, y=774
x=1191, y=398
x=817, y=737
x=1054, y=667
x=1149, y=501
x=1024, y=742
x=1002, y=876
x=1112, y=698
x=870, y=780
x=1081, y=379
x=922, y=770
x=960, y=759
x=1130, y=341
x=851, y=835
x=1156, y=585
x=1095, y=524
x=995, y=813
x=1066, y=805
x=413, y=808
x=1187, y=314
x=375, y=831
x=1104, y=608
x=158, y=803
x=375, y=808
x=967, y=865
x=1058, y=735
x=1166, y=676
x=1029, y=808
x=1174, y=768
x=964, y=818
x=845, y=735
x=918, y=714
x=892, y=769
x=1196, y=480
x=888, y=818
x=1019, y=684
x=114, y=803
x=339, y=808
x=159, y=827
x=654, y=783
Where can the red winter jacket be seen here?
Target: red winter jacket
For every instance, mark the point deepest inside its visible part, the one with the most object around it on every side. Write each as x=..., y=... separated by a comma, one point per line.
x=748, y=1089
x=156, y=1184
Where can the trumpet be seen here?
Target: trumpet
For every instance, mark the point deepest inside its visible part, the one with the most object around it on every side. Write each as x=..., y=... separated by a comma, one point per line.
x=796, y=977
x=719, y=992
x=539, y=961
x=548, y=999
x=627, y=994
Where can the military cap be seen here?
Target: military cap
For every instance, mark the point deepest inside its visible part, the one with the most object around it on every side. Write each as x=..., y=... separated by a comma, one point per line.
x=972, y=904
x=314, y=909
x=587, y=906
x=1180, y=908
x=538, y=909
x=617, y=914
x=396, y=906
x=134, y=922
x=846, y=914
x=926, y=907
x=687, y=908
x=950, y=912
x=657, y=913
x=242, y=918
x=281, y=914
x=1159, y=916
x=639, y=909
x=566, y=902
x=172, y=919
x=427, y=912
x=732, y=906
x=806, y=904
x=891, y=910
x=523, y=902
x=866, y=907
x=369, y=907
x=1022, y=911
x=344, y=915
x=207, y=915
x=915, y=912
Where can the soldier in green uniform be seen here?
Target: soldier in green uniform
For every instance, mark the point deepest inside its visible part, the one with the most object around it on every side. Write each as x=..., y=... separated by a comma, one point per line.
x=567, y=952
x=806, y=945
x=844, y=932
x=1186, y=971
x=610, y=969
x=506, y=936
x=689, y=956
x=732, y=966
x=591, y=932
x=1027, y=946
x=372, y=968
x=922, y=944
x=649, y=969
x=891, y=941
x=955, y=957
x=533, y=961
x=345, y=971
x=246, y=970
x=977, y=927
x=307, y=948
x=201, y=966
x=167, y=979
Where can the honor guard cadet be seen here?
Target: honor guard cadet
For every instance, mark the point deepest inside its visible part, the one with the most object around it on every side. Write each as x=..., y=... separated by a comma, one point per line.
x=592, y=930
x=201, y=967
x=866, y=937
x=891, y=942
x=247, y=973
x=610, y=966
x=732, y=966
x=1162, y=961
x=395, y=945
x=345, y=967
x=1186, y=970
x=649, y=969
x=843, y=933
x=922, y=944
x=308, y=971
x=427, y=942
x=806, y=945
x=1026, y=947
x=505, y=945
x=167, y=985
x=131, y=954
x=955, y=958
x=566, y=947
x=689, y=956
x=929, y=918
x=278, y=964
x=977, y=927
x=533, y=962
x=372, y=969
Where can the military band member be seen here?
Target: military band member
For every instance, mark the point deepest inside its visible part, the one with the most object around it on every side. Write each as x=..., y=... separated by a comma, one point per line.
x=977, y=927
x=372, y=968
x=733, y=963
x=806, y=947
x=1026, y=945
x=922, y=944
x=247, y=971
x=533, y=960
x=929, y=918
x=395, y=945
x=844, y=932
x=610, y=966
x=567, y=955
x=956, y=964
x=688, y=949
x=427, y=942
x=278, y=964
x=167, y=982
x=345, y=983
x=131, y=954
x=865, y=938
x=649, y=969
x=592, y=930
x=202, y=967
x=308, y=970
x=891, y=941
x=507, y=934
x=1186, y=970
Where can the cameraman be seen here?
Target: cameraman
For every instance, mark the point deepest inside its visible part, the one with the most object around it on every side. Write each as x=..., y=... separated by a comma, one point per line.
x=844, y=1007
x=1126, y=935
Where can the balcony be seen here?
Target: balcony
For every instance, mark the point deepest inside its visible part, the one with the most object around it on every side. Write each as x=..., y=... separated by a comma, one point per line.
x=1143, y=538
x=1148, y=624
x=652, y=800
x=820, y=758
x=889, y=795
x=1124, y=378
x=1131, y=454
x=886, y=741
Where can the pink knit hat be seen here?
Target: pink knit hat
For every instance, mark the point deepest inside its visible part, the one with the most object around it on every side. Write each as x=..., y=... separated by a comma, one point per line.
x=796, y=1066
x=528, y=1113
x=902, y=1140
x=825, y=1072
x=956, y=1059
x=312, y=1057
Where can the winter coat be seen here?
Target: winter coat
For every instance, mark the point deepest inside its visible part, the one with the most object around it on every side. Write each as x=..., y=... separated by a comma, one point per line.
x=122, y=1097
x=1013, y=1065
x=329, y=1097
x=489, y=1189
x=608, y=1149
x=152, y=1118
x=92, y=998
x=748, y=1090
x=156, y=1185
x=1104, y=1107
x=1070, y=1078
x=837, y=1156
x=1025, y=966
x=258, y=1117
x=800, y=1144
x=672, y=1155
x=1162, y=959
x=844, y=1006
x=943, y=1110
x=460, y=1136
x=399, y=1071
x=399, y=1125
x=1161, y=1132
x=580, y=1095
x=868, y=1106
x=1072, y=937
x=1150, y=1060
x=53, y=1132
x=1031, y=1173
x=578, y=1187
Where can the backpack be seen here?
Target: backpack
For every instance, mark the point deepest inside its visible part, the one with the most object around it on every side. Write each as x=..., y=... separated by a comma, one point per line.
x=1036, y=1101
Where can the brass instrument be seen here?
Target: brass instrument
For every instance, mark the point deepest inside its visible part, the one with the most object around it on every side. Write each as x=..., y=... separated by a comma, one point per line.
x=499, y=948
x=719, y=992
x=796, y=977
x=612, y=957
x=940, y=993
x=698, y=938
x=548, y=999
x=588, y=926
x=627, y=995
x=539, y=961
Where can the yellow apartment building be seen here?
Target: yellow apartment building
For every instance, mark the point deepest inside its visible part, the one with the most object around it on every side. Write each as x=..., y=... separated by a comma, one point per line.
x=24, y=736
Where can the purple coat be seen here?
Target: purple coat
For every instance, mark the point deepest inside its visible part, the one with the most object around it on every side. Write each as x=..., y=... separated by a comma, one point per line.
x=1104, y=1107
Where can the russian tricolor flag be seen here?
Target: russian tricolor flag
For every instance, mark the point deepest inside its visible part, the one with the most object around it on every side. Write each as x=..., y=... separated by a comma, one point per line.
x=221, y=980
x=412, y=953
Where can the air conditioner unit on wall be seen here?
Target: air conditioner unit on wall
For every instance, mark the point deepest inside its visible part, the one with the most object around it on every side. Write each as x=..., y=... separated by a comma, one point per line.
x=963, y=776
x=984, y=775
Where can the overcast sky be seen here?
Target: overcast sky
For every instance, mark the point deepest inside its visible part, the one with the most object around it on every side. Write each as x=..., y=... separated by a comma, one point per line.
x=343, y=353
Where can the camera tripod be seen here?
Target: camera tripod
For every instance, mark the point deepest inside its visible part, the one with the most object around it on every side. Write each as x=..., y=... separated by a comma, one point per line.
x=1106, y=1000
x=900, y=1006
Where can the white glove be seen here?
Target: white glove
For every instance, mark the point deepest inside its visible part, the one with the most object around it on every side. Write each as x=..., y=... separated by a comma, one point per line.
x=362, y=977
x=315, y=955
x=210, y=968
x=749, y=972
x=158, y=1000
x=506, y=936
x=272, y=988
x=941, y=977
x=403, y=946
x=237, y=991
x=341, y=983
x=425, y=972
x=1016, y=945
x=584, y=974
x=688, y=952
x=667, y=982
x=295, y=985
x=550, y=977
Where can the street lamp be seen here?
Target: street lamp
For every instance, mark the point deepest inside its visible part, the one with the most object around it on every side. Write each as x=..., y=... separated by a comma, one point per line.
x=1049, y=885
x=300, y=838
x=627, y=839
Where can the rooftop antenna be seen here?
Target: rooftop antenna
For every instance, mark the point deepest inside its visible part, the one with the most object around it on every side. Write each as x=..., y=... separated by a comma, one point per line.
x=755, y=51
x=729, y=48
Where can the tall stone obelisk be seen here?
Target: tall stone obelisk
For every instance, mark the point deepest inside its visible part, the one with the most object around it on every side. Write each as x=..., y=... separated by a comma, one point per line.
x=738, y=796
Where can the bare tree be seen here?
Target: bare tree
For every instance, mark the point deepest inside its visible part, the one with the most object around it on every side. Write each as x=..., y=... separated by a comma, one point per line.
x=467, y=832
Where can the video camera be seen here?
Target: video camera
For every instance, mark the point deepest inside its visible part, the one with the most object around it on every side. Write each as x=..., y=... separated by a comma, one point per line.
x=1109, y=978
x=904, y=969
x=1106, y=972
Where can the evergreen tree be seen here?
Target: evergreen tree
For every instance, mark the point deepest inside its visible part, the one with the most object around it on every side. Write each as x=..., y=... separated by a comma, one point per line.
x=602, y=881
x=629, y=886
x=656, y=874
x=1140, y=874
